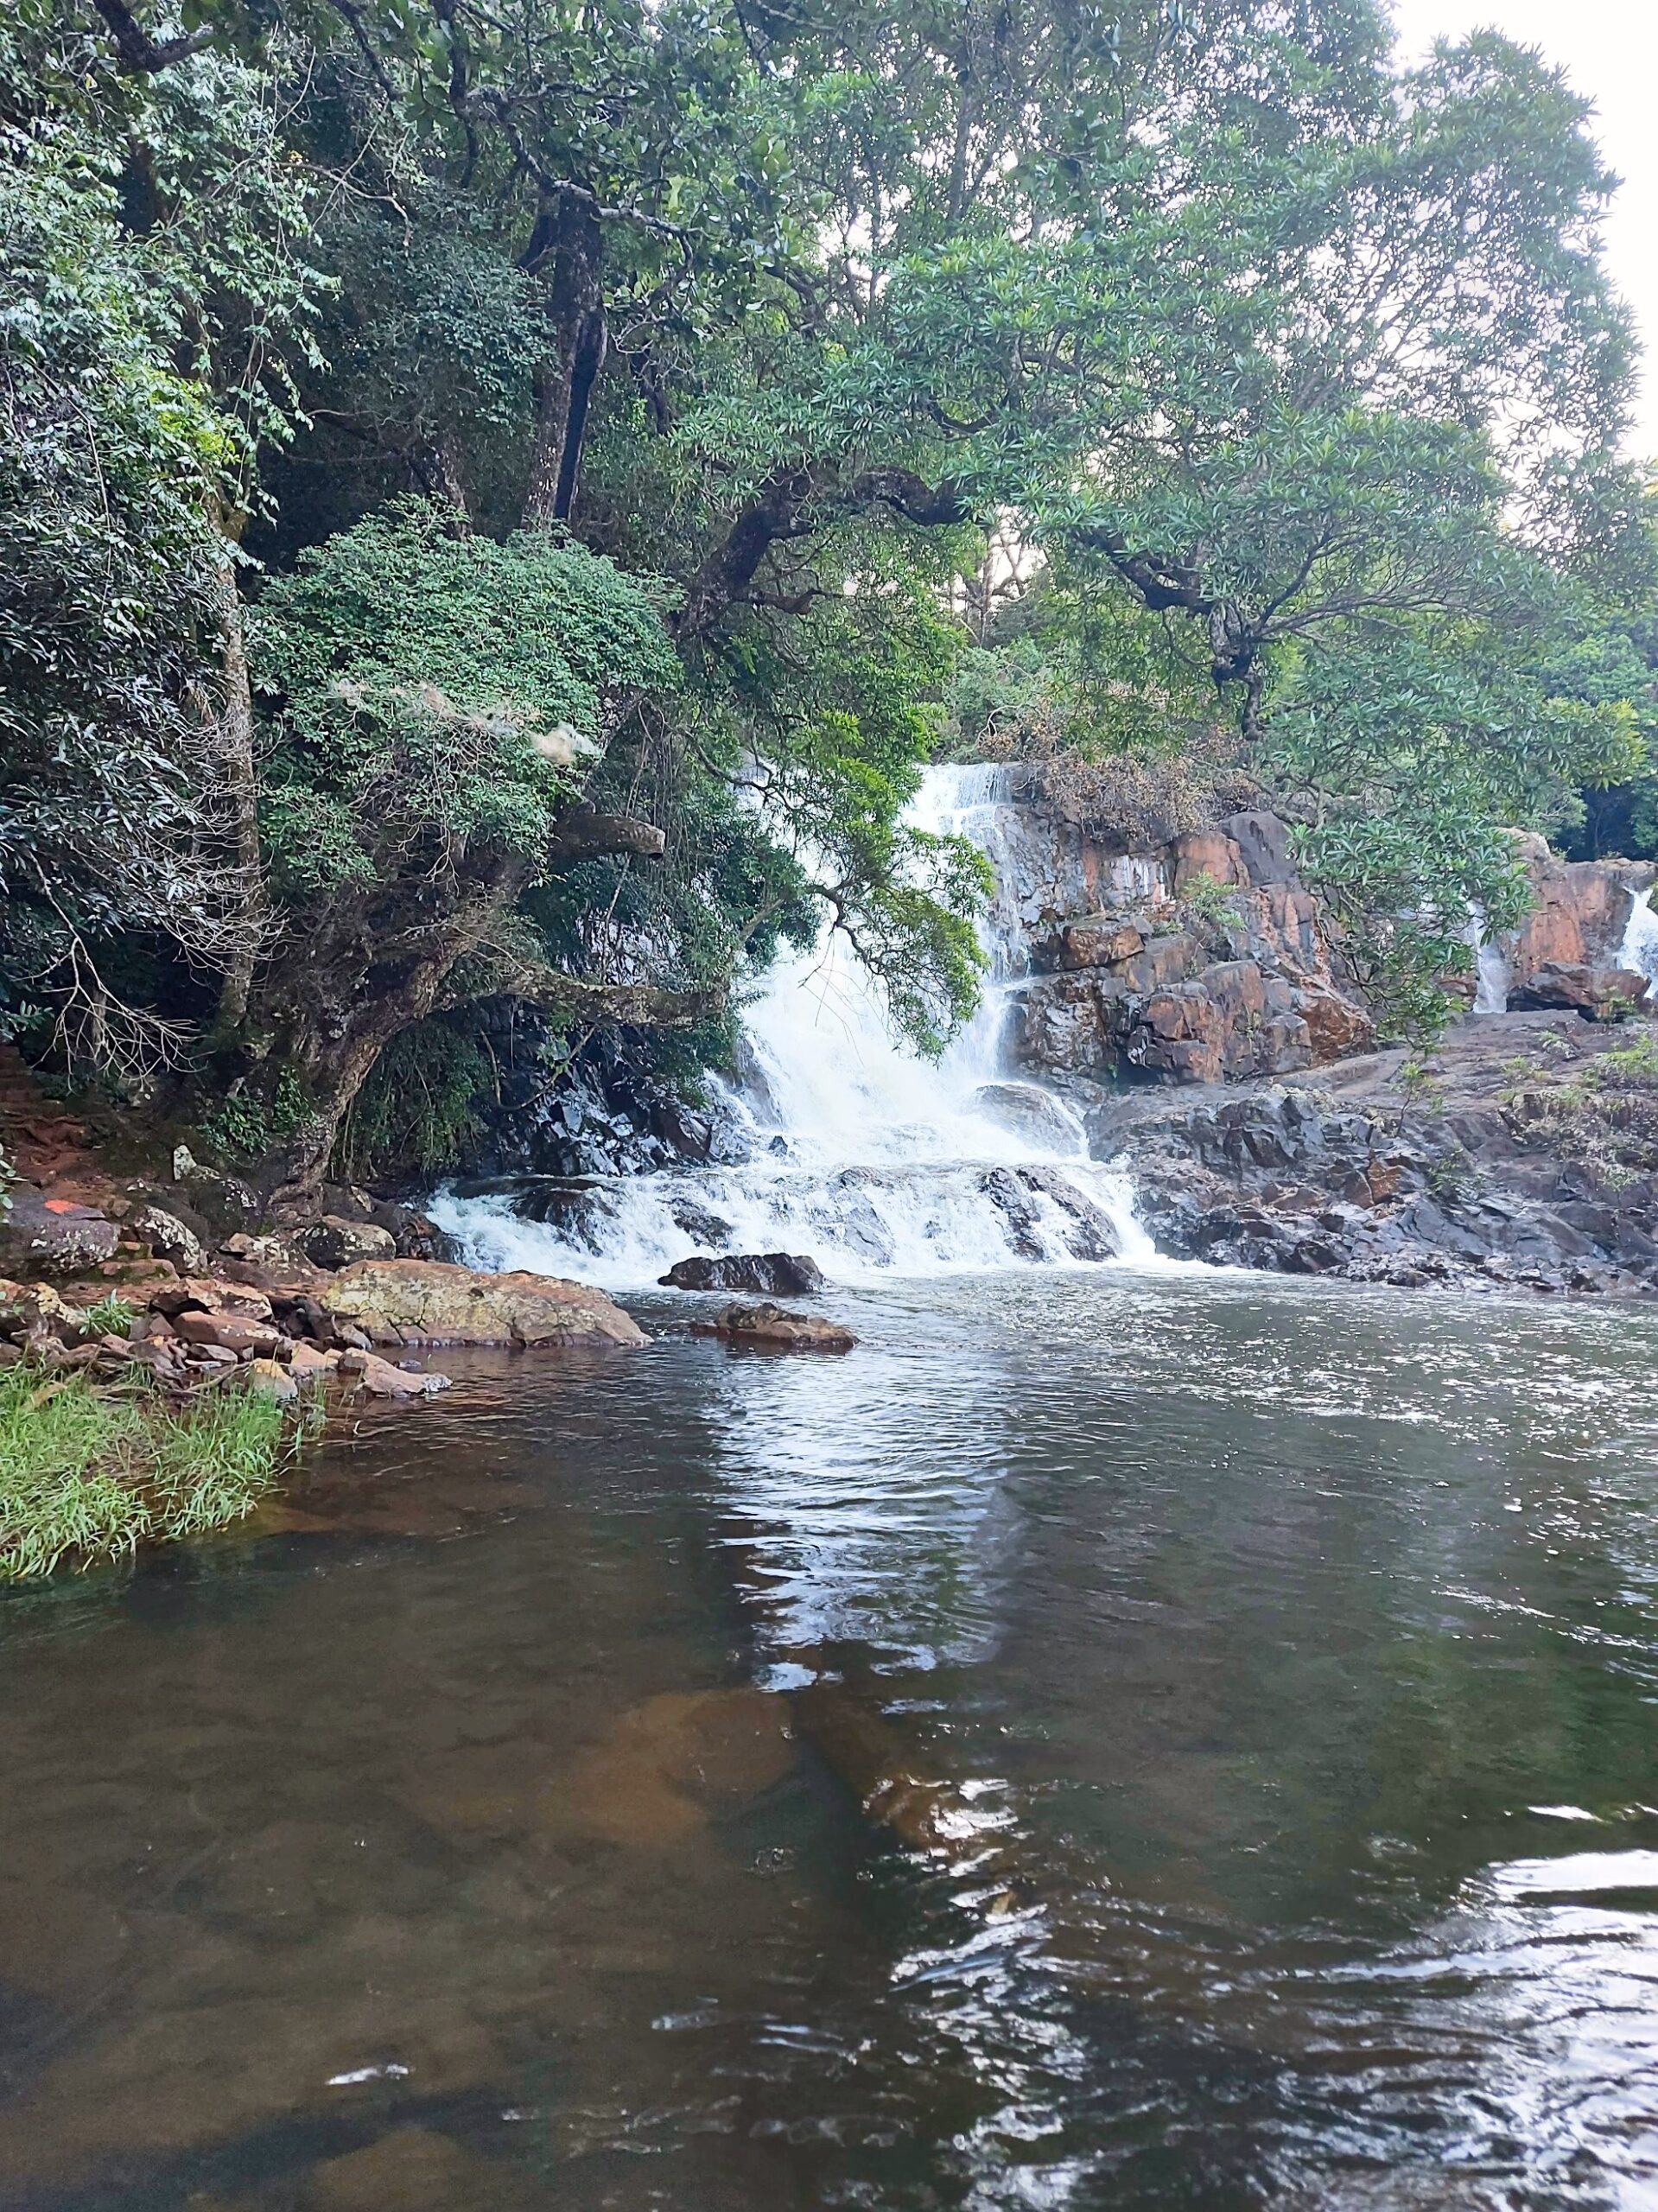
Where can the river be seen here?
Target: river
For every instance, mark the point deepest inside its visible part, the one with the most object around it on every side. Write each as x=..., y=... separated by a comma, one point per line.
x=1274, y=1667
x=1129, y=1735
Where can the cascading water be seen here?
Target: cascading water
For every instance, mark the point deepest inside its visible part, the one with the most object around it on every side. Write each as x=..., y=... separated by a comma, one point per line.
x=848, y=1147
x=1639, y=949
x=1491, y=971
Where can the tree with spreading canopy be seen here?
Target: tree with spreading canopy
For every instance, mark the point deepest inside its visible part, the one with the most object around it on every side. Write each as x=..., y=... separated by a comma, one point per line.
x=603, y=412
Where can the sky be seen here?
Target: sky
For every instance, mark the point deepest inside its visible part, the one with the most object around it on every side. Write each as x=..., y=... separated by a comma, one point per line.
x=1608, y=49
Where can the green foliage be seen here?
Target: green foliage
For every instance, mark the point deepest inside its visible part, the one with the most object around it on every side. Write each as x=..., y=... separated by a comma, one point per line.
x=111, y=1317
x=87, y=1477
x=244, y=1125
x=149, y=298
x=416, y=1113
x=427, y=692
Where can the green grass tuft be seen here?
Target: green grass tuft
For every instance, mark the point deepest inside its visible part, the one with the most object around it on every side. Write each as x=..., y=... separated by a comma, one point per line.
x=87, y=1475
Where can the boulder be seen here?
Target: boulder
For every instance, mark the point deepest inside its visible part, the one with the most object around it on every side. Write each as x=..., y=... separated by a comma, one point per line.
x=336, y=1241
x=267, y=1380
x=1597, y=994
x=433, y=1302
x=382, y=1379
x=309, y=1366
x=166, y=1237
x=770, y=1326
x=31, y=1312
x=53, y=1236
x=247, y=1339
x=783, y=1274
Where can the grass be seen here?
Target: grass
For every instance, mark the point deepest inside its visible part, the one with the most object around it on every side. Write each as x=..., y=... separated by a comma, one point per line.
x=87, y=1475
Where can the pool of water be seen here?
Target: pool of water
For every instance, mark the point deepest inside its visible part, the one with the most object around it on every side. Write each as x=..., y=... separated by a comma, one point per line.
x=1118, y=1741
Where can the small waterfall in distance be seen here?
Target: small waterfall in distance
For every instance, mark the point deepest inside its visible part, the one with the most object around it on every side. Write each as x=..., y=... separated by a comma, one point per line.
x=1639, y=949
x=845, y=1145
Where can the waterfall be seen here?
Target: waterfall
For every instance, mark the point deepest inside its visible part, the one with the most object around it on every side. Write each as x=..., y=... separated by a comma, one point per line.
x=1639, y=949
x=842, y=1143
x=1490, y=965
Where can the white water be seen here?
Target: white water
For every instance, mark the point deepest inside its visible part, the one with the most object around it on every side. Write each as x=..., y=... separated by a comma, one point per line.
x=870, y=1159
x=1491, y=971
x=1639, y=949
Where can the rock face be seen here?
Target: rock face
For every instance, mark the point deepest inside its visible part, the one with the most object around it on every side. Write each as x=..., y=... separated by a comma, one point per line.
x=1597, y=994
x=1207, y=963
x=1582, y=912
x=771, y=1326
x=779, y=1274
x=1479, y=1175
x=432, y=1302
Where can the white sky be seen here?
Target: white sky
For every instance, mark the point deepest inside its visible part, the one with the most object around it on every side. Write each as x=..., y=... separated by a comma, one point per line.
x=1608, y=49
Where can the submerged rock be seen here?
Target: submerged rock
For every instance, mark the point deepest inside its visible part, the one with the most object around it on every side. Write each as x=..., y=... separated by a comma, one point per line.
x=433, y=1302
x=770, y=1326
x=783, y=1274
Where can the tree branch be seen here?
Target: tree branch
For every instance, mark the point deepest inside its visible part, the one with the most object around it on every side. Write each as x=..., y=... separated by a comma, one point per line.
x=137, y=53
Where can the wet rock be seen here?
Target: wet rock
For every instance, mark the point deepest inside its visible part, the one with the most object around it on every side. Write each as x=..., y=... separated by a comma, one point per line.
x=1021, y=1215
x=380, y=1379
x=415, y=2170
x=334, y=1242
x=767, y=1325
x=1089, y=1233
x=432, y=1302
x=779, y=1274
x=693, y=1220
x=53, y=1236
x=169, y=1238
x=1030, y=1114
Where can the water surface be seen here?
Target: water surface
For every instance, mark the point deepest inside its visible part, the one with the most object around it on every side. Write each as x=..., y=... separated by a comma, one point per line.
x=1269, y=1671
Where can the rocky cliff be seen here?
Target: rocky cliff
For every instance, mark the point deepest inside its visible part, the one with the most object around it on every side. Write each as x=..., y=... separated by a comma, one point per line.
x=1203, y=962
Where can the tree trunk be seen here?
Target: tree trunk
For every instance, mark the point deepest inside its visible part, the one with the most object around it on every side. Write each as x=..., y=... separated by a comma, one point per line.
x=578, y=337
x=233, y=744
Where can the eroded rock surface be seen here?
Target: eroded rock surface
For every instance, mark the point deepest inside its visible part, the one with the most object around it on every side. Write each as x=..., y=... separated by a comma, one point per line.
x=1206, y=963
x=435, y=1302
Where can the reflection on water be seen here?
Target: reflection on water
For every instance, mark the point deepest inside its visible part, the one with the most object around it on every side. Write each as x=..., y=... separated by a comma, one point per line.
x=1106, y=1743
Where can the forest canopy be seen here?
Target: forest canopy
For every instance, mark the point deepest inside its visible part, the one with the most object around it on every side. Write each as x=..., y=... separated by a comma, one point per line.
x=499, y=504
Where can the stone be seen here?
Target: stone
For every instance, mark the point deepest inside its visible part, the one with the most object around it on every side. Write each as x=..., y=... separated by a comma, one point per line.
x=334, y=1242
x=247, y=1339
x=36, y=1311
x=382, y=1379
x=211, y=1295
x=168, y=1238
x=781, y=1274
x=266, y=1379
x=433, y=1302
x=769, y=1325
x=52, y=1236
x=310, y=1367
